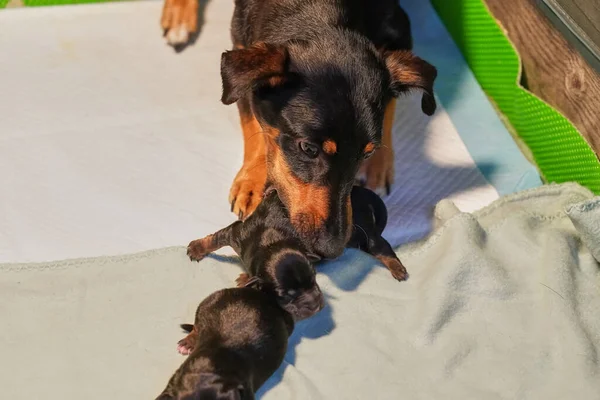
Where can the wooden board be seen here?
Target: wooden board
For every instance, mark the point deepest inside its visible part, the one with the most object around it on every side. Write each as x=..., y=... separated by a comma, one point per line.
x=552, y=68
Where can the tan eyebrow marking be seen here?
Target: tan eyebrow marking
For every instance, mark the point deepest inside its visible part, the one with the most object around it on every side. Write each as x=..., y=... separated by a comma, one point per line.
x=329, y=147
x=369, y=147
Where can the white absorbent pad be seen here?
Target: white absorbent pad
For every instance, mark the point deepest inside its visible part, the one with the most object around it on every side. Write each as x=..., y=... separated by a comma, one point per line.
x=110, y=142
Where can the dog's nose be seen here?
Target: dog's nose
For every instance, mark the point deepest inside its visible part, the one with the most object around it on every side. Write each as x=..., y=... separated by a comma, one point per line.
x=329, y=246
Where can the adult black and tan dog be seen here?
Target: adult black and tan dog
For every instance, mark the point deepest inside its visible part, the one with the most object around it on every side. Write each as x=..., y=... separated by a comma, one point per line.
x=315, y=82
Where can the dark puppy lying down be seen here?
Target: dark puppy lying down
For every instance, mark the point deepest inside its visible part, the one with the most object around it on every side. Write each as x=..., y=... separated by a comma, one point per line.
x=238, y=341
x=273, y=253
x=273, y=256
x=369, y=216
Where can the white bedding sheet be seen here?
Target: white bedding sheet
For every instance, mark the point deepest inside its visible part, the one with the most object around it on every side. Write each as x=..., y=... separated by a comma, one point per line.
x=110, y=142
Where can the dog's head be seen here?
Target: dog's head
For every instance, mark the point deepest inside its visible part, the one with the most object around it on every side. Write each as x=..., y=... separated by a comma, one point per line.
x=321, y=105
x=208, y=386
x=293, y=280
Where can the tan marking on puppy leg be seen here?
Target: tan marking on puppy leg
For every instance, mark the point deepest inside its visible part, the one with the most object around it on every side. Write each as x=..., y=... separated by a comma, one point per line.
x=200, y=248
x=394, y=265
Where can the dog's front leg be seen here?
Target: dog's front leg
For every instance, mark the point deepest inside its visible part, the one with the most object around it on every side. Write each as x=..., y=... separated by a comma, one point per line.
x=377, y=172
x=179, y=20
x=249, y=184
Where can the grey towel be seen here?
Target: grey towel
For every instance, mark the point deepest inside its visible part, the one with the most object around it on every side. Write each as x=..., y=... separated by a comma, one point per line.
x=501, y=304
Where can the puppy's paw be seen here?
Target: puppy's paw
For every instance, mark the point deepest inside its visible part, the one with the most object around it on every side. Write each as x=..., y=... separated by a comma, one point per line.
x=247, y=189
x=186, y=345
x=377, y=172
x=242, y=280
x=395, y=266
x=199, y=248
x=179, y=20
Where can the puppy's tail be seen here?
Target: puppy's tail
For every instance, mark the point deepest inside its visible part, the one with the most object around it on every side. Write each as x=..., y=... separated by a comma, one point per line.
x=187, y=327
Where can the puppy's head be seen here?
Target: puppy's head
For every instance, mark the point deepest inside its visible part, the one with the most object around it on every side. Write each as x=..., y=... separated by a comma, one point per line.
x=207, y=386
x=321, y=105
x=295, y=285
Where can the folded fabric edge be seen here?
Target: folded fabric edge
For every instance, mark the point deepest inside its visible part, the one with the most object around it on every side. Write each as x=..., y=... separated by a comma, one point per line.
x=586, y=219
x=446, y=212
x=82, y=262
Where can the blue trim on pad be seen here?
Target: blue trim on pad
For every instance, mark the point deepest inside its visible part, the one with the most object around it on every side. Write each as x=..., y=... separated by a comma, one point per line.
x=492, y=147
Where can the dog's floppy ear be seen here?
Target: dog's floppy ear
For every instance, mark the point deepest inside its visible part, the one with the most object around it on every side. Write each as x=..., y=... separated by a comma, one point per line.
x=243, y=70
x=411, y=72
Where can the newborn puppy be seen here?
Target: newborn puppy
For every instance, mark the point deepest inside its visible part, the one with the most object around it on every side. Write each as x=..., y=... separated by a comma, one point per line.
x=237, y=342
x=369, y=216
x=273, y=255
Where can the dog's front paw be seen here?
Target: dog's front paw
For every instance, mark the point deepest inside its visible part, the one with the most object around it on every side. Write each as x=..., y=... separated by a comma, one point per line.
x=199, y=248
x=179, y=20
x=247, y=189
x=377, y=172
x=395, y=266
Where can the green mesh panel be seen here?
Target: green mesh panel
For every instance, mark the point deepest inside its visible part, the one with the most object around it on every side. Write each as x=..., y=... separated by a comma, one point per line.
x=557, y=147
x=37, y=3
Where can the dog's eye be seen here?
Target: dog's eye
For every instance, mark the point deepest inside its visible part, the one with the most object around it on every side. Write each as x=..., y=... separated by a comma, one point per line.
x=310, y=149
x=291, y=292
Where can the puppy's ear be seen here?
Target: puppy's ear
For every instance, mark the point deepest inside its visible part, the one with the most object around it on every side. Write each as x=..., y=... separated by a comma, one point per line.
x=411, y=72
x=244, y=70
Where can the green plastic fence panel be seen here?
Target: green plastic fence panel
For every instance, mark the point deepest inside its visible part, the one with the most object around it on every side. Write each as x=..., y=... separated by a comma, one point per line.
x=558, y=148
x=38, y=3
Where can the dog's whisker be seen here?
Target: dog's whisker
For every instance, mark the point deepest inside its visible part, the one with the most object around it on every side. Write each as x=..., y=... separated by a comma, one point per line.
x=363, y=231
